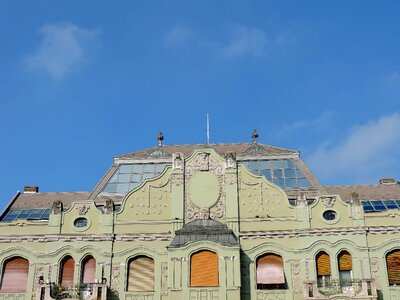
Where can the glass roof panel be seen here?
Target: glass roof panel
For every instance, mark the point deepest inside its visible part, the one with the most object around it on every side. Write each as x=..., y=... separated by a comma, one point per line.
x=380, y=205
x=129, y=176
x=290, y=173
x=291, y=183
x=267, y=173
x=278, y=173
x=124, y=177
x=252, y=165
x=283, y=172
x=126, y=169
x=265, y=164
x=25, y=214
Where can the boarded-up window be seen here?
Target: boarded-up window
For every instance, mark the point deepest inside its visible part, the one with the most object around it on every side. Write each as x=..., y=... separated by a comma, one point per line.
x=393, y=267
x=323, y=264
x=15, y=275
x=345, y=261
x=88, y=270
x=141, y=274
x=204, y=269
x=67, y=272
x=270, y=273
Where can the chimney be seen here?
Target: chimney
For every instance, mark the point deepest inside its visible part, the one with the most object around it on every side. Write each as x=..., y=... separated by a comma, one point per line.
x=387, y=181
x=31, y=189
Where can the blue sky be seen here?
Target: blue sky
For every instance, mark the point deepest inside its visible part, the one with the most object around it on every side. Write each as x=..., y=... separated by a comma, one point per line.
x=84, y=81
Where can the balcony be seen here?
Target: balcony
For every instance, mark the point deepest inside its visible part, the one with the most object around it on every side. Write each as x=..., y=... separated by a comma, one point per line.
x=90, y=291
x=354, y=289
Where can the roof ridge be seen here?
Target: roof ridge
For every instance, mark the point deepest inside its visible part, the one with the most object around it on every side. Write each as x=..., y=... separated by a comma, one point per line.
x=166, y=146
x=55, y=193
x=361, y=184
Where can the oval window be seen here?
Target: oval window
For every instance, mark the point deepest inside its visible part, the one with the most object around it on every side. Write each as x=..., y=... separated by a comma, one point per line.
x=80, y=222
x=329, y=215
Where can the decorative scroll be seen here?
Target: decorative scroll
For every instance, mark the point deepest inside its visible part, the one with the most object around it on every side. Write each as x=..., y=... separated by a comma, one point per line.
x=39, y=273
x=296, y=277
x=375, y=271
x=164, y=278
x=115, y=278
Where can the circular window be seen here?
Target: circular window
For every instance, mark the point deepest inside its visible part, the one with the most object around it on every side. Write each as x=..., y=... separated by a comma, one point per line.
x=329, y=215
x=80, y=222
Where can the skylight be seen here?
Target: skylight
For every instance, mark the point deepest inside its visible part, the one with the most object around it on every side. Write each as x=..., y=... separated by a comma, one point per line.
x=129, y=176
x=27, y=214
x=256, y=149
x=283, y=172
x=380, y=205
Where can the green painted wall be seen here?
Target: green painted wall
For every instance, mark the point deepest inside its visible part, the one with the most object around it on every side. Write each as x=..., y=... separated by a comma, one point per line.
x=257, y=211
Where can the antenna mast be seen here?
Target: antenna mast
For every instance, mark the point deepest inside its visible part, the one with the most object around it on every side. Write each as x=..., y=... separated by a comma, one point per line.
x=208, y=130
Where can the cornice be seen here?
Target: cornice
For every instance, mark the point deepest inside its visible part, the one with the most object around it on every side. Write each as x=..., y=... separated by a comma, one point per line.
x=317, y=232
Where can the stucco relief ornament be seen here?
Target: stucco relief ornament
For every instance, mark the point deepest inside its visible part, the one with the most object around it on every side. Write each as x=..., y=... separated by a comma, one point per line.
x=57, y=207
x=177, y=162
x=374, y=266
x=204, y=162
x=115, y=277
x=190, y=213
x=301, y=201
x=296, y=278
x=164, y=278
x=355, y=198
x=329, y=201
x=230, y=160
x=82, y=209
x=109, y=206
x=205, y=213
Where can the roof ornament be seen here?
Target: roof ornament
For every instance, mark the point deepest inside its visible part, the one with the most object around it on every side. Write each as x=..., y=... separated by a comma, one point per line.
x=254, y=136
x=160, y=138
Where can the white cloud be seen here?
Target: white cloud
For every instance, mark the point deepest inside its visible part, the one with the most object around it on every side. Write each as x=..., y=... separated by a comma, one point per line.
x=241, y=41
x=321, y=121
x=366, y=152
x=245, y=41
x=178, y=35
x=64, y=48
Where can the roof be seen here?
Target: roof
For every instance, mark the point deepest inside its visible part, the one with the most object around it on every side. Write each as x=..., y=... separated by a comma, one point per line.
x=367, y=191
x=238, y=148
x=45, y=200
x=204, y=230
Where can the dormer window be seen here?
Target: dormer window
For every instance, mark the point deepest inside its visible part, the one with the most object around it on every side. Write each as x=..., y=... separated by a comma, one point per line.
x=256, y=150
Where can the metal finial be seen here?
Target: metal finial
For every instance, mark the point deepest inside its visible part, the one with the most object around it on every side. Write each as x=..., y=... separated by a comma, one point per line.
x=160, y=138
x=254, y=136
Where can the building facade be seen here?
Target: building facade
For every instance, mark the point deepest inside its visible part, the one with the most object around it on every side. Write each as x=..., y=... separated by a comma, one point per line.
x=204, y=222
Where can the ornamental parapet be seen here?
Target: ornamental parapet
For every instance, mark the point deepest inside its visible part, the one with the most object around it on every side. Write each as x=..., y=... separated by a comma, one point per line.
x=350, y=289
x=87, y=291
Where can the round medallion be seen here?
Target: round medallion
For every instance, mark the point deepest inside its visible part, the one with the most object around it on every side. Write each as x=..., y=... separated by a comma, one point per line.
x=204, y=189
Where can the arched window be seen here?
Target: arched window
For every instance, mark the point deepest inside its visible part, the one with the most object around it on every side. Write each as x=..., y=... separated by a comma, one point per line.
x=393, y=267
x=345, y=266
x=323, y=268
x=270, y=273
x=204, y=269
x=88, y=272
x=67, y=272
x=141, y=274
x=15, y=275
